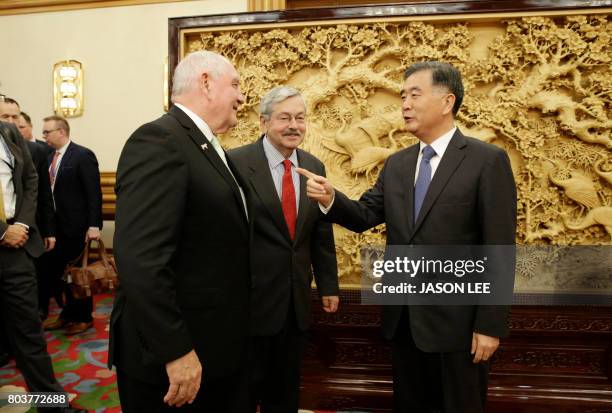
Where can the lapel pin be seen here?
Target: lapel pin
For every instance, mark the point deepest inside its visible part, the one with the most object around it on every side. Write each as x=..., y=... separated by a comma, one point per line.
x=204, y=146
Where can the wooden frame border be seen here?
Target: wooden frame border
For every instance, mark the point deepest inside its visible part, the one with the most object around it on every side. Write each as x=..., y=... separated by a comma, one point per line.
x=8, y=7
x=423, y=10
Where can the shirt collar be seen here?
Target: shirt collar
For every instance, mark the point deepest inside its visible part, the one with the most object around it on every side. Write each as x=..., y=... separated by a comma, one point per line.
x=440, y=144
x=199, y=122
x=62, y=150
x=274, y=157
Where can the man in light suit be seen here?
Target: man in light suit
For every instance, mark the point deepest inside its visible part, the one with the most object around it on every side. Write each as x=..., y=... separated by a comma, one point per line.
x=179, y=326
x=292, y=244
x=75, y=182
x=19, y=242
x=448, y=189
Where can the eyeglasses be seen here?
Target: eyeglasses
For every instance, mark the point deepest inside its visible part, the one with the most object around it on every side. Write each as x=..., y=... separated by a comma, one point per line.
x=46, y=132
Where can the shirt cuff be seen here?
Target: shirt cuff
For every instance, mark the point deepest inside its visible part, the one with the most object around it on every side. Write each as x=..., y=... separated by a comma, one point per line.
x=326, y=210
x=97, y=228
x=23, y=225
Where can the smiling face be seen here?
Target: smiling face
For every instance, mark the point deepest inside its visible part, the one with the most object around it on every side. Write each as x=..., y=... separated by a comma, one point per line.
x=225, y=98
x=286, y=127
x=427, y=109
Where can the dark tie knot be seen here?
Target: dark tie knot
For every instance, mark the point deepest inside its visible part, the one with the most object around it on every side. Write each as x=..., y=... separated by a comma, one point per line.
x=428, y=153
x=287, y=164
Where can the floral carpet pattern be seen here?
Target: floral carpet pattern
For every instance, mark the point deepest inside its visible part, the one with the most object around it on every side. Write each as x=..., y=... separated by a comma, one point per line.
x=79, y=363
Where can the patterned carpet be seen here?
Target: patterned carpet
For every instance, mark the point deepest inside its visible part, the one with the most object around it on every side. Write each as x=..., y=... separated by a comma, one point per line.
x=79, y=363
x=80, y=366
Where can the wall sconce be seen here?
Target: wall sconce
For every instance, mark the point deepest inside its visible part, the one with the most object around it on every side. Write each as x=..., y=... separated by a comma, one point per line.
x=68, y=88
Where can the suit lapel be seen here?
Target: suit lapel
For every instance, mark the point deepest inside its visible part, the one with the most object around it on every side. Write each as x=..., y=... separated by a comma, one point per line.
x=407, y=175
x=207, y=149
x=449, y=163
x=304, y=202
x=64, y=162
x=261, y=179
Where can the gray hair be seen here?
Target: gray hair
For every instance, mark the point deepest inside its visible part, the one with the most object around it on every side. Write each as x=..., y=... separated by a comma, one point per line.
x=274, y=97
x=442, y=74
x=189, y=70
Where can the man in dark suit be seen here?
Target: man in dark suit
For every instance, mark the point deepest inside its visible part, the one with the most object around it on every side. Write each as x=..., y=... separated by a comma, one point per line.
x=75, y=182
x=45, y=211
x=292, y=244
x=10, y=112
x=19, y=242
x=448, y=189
x=181, y=245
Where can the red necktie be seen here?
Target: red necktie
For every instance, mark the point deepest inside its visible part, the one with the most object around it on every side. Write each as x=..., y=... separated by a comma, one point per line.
x=288, y=199
x=52, y=168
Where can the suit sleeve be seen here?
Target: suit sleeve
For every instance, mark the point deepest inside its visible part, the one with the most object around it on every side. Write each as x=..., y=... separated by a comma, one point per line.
x=45, y=197
x=323, y=253
x=497, y=214
x=151, y=195
x=29, y=179
x=90, y=178
x=359, y=216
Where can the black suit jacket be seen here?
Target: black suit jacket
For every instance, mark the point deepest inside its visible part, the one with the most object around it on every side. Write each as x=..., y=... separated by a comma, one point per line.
x=25, y=182
x=77, y=192
x=282, y=269
x=45, y=212
x=182, y=249
x=471, y=200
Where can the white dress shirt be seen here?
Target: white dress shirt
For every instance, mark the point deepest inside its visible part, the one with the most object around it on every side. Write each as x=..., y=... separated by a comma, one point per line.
x=62, y=152
x=7, y=163
x=439, y=145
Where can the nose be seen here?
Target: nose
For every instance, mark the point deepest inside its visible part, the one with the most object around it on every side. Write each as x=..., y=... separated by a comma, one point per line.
x=241, y=98
x=406, y=105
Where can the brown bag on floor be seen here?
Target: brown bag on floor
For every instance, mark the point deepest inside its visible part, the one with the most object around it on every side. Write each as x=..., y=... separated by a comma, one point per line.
x=86, y=279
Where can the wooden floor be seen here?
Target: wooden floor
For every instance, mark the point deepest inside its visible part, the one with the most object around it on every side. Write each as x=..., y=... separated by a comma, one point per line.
x=557, y=360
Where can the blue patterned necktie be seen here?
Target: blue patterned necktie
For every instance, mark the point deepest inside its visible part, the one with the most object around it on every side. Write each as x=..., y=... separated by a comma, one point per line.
x=423, y=180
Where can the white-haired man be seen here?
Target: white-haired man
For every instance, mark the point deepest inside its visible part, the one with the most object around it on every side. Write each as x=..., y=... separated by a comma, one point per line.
x=179, y=323
x=293, y=245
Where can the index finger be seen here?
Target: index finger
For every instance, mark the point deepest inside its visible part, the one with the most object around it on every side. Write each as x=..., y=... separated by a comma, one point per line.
x=306, y=173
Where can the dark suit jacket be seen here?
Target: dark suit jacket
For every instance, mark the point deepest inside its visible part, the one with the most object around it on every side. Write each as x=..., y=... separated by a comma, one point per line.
x=25, y=181
x=282, y=269
x=45, y=212
x=77, y=192
x=182, y=250
x=471, y=201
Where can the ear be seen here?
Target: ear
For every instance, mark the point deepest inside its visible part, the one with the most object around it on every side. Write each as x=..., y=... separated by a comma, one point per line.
x=262, y=124
x=205, y=82
x=449, y=102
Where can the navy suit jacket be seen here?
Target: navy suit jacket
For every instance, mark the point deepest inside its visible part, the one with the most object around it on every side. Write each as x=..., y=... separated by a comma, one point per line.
x=77, y=192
